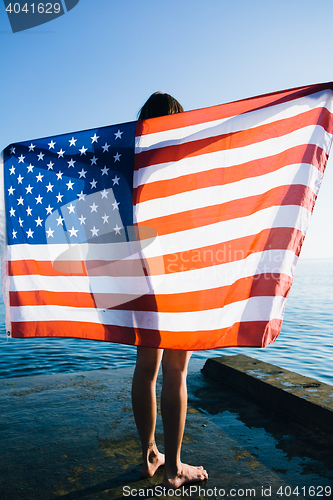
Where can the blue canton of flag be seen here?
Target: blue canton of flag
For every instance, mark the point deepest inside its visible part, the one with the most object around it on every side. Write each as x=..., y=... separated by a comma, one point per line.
x=71, y=188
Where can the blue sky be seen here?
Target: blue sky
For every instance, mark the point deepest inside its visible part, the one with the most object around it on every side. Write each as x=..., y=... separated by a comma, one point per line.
x=97, y=64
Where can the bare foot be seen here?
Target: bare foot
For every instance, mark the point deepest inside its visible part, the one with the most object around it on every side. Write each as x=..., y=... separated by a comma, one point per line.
x=186, y=474
x=154, y=461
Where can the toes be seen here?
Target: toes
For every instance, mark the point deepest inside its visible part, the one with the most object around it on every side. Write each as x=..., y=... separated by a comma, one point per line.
x=204, y=474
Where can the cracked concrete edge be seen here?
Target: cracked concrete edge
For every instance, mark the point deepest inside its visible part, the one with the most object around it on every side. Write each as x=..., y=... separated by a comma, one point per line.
x=305, y=399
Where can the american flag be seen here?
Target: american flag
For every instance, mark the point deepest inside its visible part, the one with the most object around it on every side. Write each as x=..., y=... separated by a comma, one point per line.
x=178, y=232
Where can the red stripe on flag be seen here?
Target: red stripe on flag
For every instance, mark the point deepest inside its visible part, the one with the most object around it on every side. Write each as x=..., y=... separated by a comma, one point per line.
x=280, y=238
x=44, y=268
x=93, y=331
x=44, y=297
x=115, y=268
x=246, y=334
x=227, y=110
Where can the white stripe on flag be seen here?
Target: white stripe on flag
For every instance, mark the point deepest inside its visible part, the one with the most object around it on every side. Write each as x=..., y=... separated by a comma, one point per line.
x=85, y=252
x=252, y=309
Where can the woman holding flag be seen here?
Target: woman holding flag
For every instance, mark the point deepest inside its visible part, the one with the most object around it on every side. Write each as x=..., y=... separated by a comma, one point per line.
x=174, y=369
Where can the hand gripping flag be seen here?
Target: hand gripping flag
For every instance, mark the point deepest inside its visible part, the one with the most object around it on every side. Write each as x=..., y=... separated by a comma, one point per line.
x=178, y=232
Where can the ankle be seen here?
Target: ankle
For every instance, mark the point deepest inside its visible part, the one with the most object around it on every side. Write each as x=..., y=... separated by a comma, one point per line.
x=150, y=452
x=173, y=469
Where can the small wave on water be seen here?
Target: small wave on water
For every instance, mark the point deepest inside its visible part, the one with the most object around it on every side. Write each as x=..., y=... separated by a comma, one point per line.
x=305, y=344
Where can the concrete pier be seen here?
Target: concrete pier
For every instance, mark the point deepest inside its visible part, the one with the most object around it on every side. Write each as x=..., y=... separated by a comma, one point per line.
x=72, y=436
x=307, y=400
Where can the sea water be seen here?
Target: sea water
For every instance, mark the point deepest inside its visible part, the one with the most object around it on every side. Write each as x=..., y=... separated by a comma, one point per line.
x=305, y=344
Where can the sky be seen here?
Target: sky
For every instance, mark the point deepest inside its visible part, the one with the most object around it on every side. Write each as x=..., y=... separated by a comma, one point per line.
x=97, y=64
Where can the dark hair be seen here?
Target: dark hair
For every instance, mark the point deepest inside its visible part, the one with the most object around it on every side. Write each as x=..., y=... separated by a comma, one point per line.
x=160, y=104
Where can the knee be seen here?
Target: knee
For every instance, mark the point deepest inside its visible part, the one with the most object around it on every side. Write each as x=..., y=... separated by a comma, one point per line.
x=147, y=363
x=148, y=372
x=175, y=361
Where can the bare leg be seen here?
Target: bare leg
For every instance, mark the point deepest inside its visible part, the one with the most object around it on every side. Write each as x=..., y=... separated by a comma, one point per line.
x=144, y=406
x=174, y=408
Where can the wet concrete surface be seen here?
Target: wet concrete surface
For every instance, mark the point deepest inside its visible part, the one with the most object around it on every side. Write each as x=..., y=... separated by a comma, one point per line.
x=72, y=436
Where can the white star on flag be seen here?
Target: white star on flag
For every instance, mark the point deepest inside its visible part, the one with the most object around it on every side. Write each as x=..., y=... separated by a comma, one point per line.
x=73, y=231
x=81, y=196
x=71, y=163
x=71, y=208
